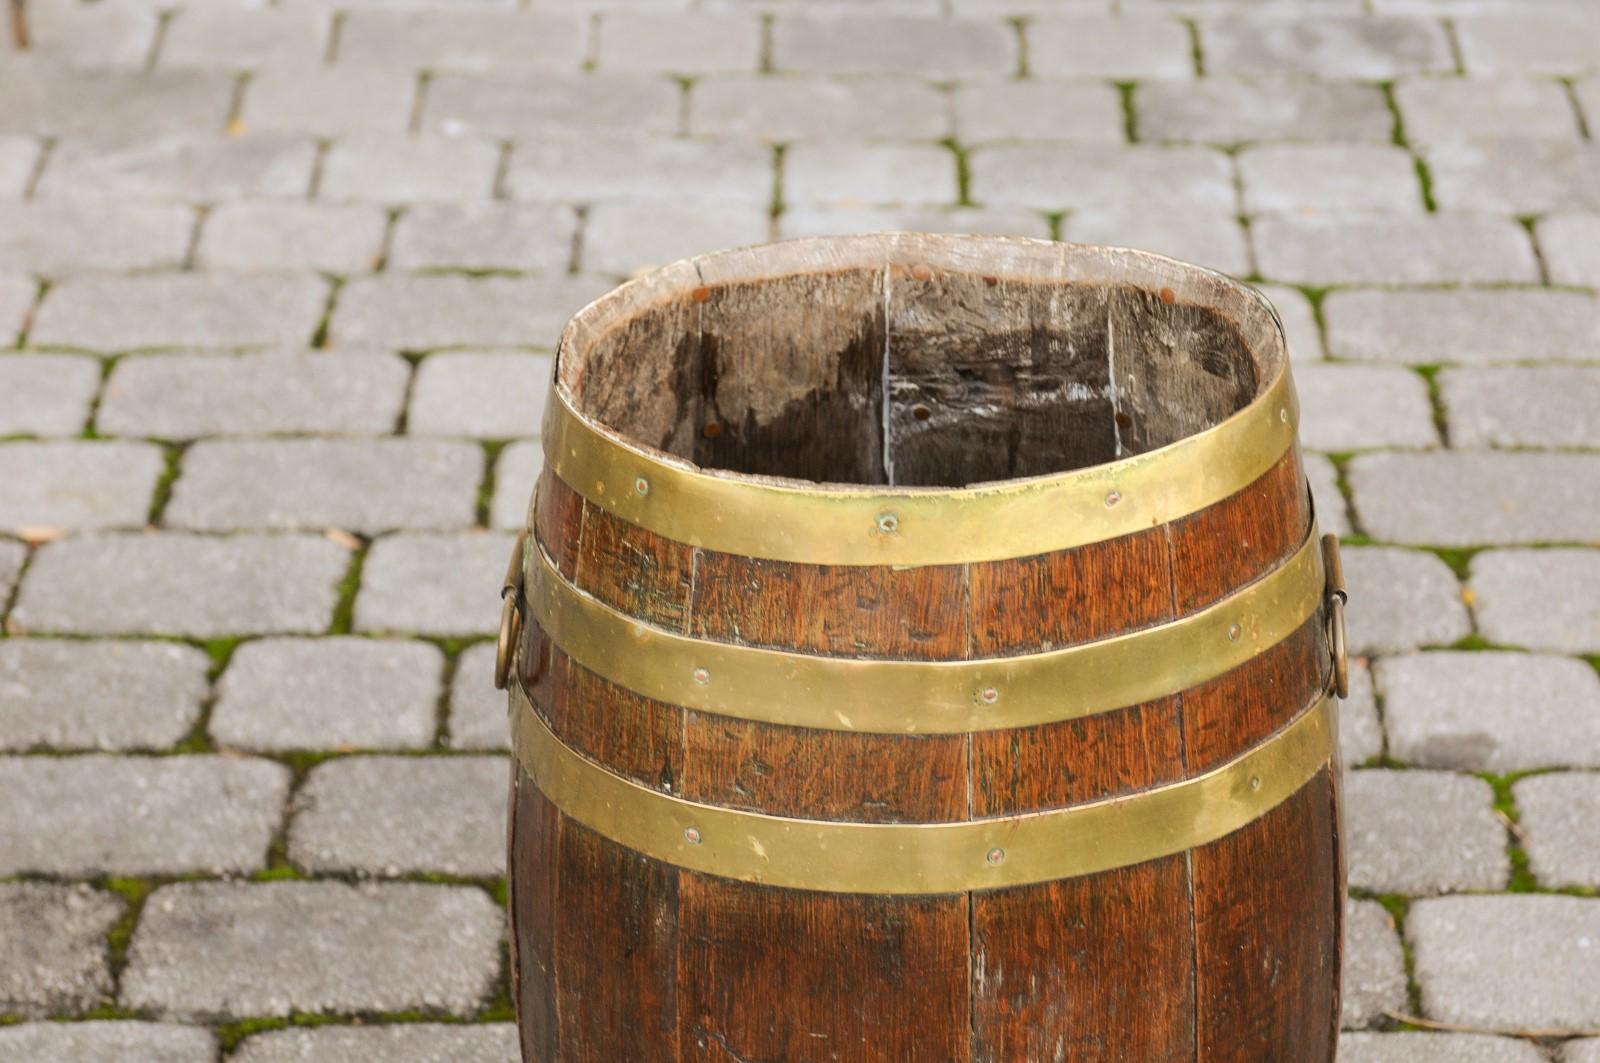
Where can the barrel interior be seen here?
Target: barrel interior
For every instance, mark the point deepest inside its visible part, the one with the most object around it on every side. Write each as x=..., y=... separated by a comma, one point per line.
x=917, y=373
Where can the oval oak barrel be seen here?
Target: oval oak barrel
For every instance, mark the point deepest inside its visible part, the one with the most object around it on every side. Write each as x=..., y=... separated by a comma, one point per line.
x=922, y=650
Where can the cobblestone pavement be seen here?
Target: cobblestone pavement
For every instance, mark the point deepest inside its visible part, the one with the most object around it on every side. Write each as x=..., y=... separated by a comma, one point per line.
x=281, y=282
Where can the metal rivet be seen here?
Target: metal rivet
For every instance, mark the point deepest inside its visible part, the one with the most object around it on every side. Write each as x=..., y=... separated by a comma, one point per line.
x=1283, y=414
x=989, y=695
x=996, y=856
x=1113, y=498
x=701, y=676
x=1234, y=632
x=1255, y=782
x=691, y=835
x=642, y=485
x=888, y=523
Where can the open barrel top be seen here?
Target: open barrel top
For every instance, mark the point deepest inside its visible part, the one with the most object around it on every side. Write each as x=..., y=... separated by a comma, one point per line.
x=846, y=545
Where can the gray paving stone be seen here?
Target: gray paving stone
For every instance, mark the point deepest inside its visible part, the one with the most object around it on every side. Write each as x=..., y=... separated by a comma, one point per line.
x=1440, y=110
x=330, y=238
x=1463, y=326
x=1374, y=967
x=844, y=174
x=1072, y=176
x=117, y=1041
x=418, y=313
x=787, y=108
x=433, y=584
x=12, y=556
x=592, y=169
x=115, y=694
x=56, y=100
x=1522, y=407
x=1559, y=40
x=1499, y=712
x=1360, y=730
x=515, y=473
x=367, y=486
x=77, y=484
x=838, y=43
x=1038, y=109
x=412, y=1042
x=52, y=947
x=1231, y=110
x=180, y=584
x=244, y=38
x=120, y=313
x=17, y=295
x=399, y=169
x=57, y=237
x=329, y=101
x=478, y=718
x=46, y=394
x=1209, y=238
x=1583, y=1051
x=1325, y=45
x=1401, y=600
x=530, y=107
x=1422, y=833
x=1440, y=499
x=234, y=37
x=486, y=394
x=832, y=221
x=191, y=168
x=1319, y=177
x=1123, y=47
x=1561, y=827
x=1434, y=1048
x=1508, y=962
x=1363, y=248
x=627, y=238
x=1357, y=407
x=1516, y=176
x=488, y=235
x=170, y=816
x=1325, y=494
x=90, y=36
x=185, y=396
x=671, y=42
x=389, y=816
x=19, y=155
x=464, y=40
x=1571, y=245
x=329, y=693
x=214, y=949
x=1541, y=599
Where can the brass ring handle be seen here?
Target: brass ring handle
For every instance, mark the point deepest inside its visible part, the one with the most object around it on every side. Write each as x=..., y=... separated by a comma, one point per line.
x=1337, y=597
x=510, y=614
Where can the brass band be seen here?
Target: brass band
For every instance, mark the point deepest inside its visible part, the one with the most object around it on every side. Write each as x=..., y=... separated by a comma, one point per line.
x=841, y=524
x=925, y=858
x=926, y=697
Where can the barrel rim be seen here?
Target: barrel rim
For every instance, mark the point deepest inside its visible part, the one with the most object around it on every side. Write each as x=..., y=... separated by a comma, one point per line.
x=785, y=519
x=927, y=858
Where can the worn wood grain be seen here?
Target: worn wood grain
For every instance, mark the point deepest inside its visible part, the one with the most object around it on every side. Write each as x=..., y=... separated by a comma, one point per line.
x=532, y=896
x=1074, y=969
x=867, y=983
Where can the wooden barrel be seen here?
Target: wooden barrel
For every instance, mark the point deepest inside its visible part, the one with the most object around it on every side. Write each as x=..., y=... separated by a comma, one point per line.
x=924, y=651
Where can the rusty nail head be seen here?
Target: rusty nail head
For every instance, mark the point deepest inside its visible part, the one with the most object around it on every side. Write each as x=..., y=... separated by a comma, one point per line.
x=996, y=856
x=691, y=835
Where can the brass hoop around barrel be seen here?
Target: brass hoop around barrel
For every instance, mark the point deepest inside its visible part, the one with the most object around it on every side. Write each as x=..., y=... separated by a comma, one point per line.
x=926, y=697
x=924, y=858
x=841, y=524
